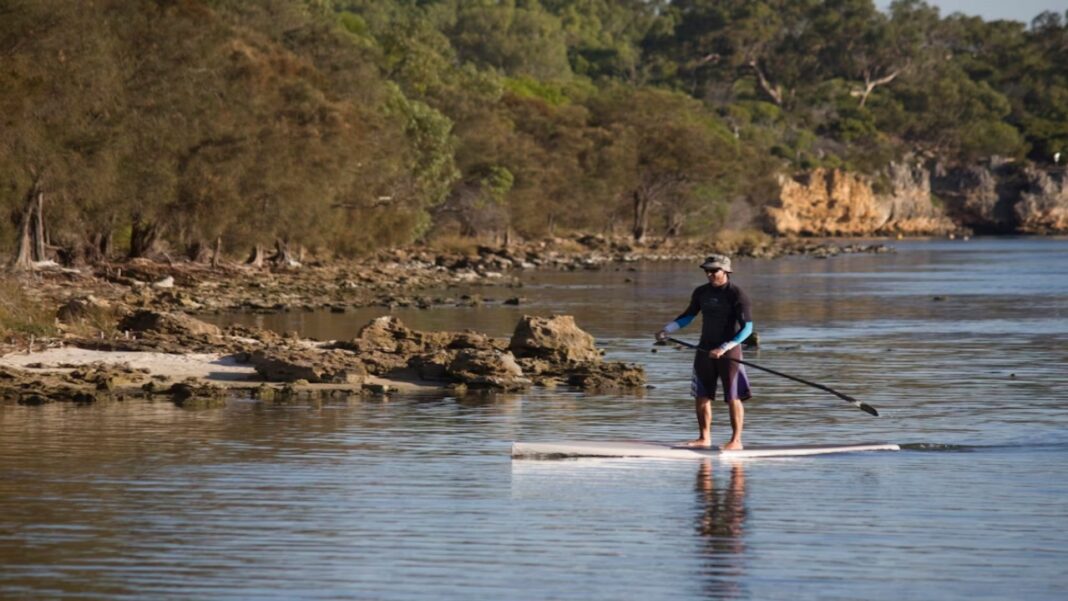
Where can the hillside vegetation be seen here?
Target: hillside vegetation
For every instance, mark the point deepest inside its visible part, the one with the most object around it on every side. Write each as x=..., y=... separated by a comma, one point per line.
x=344, y=126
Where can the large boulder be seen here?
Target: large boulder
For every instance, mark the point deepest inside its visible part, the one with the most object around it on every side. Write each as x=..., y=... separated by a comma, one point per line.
x=385, y=344
x=161, y=322
x=556, y=339
x=486, y=369
x=312, y=365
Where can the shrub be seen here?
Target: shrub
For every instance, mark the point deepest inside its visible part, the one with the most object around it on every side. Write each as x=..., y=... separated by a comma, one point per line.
x=21, y=315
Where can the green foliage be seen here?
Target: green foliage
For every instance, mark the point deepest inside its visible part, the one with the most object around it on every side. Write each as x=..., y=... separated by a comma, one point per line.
x=528, y=87
x=349, y=125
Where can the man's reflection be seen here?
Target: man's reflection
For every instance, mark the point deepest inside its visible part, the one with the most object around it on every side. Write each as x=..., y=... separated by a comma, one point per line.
x=720, y=522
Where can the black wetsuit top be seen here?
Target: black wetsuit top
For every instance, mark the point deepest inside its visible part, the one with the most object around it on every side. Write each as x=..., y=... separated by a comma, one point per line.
x=724, y=312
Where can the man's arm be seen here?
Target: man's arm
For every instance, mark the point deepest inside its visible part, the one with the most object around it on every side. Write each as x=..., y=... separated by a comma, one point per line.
x=745, y=320
x=682, y=320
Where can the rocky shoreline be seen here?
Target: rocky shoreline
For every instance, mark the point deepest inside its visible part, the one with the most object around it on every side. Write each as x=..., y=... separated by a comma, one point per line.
x=197, y=364
x=138, y=317
x=415, y=277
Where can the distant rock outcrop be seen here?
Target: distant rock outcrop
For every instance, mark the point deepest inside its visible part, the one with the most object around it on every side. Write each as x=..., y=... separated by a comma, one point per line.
x=996, y=197
x=831, y=202
x=1043, y=205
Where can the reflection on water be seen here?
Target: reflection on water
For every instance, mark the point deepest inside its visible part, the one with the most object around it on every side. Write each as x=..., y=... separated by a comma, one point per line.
x=721, y=523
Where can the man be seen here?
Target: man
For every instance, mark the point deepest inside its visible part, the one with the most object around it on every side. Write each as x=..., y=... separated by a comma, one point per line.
x=726, y=322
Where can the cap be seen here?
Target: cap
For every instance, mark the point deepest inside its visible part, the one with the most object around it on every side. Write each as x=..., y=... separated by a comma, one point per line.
x=717, y=262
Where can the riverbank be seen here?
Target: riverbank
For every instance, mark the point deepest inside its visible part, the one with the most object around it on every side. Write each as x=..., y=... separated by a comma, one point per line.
x=412, y=277
x=83, y=334
x=194, y=363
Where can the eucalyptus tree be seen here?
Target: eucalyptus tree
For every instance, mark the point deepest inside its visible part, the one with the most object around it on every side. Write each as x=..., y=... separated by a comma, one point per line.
x=673, y=155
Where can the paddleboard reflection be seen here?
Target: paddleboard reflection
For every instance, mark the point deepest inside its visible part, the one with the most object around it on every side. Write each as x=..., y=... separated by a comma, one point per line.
x=721, y=515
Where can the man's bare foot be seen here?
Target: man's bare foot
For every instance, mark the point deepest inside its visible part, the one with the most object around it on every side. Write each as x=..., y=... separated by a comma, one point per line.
x=698, y=442
x=734, y=445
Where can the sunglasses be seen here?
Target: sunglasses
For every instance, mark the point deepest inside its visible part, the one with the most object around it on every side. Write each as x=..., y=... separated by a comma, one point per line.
x=712, y=271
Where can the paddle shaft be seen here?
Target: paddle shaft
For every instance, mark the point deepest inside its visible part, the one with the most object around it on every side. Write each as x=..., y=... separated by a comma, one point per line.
x=845, y=397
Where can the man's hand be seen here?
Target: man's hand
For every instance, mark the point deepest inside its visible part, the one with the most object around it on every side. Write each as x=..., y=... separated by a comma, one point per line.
x=716, y=353
x=661, y=336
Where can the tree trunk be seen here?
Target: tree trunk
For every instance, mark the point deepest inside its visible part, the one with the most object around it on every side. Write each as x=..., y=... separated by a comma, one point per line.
x=103, y=244
x=218, y=252
x=674, y=224
x=256, y=258
x=39, y=230
x=641, y=216
x=870, y=84
x=31, y=247
x=143, y=237
x=775, y=92
x=282, y=257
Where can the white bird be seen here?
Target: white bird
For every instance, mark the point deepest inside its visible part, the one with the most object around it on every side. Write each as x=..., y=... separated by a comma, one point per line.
x=1056, y=158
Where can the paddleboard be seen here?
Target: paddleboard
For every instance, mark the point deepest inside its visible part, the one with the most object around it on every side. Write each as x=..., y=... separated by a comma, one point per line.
x=522, y=450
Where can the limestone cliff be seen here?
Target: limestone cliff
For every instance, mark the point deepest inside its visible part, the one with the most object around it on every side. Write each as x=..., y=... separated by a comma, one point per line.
x=1043, y=205
x=1004, y=197
x=835, y=203
x=907, y=198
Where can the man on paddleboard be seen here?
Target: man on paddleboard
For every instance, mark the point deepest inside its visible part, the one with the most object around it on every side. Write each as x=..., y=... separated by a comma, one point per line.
x=726, y=322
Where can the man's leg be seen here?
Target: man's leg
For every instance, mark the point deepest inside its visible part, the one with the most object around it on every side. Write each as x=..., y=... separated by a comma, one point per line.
x=737, y=411
x=703, y=409
x=702, y=399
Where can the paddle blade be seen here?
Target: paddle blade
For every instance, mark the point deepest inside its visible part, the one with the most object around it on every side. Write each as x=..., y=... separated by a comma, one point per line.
x=868, y=409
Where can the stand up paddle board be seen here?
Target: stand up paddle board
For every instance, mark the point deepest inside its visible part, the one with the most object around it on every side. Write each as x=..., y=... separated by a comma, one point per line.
x=521, y=450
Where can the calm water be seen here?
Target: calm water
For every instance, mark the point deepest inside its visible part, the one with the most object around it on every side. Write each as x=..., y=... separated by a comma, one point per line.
x=963, y=346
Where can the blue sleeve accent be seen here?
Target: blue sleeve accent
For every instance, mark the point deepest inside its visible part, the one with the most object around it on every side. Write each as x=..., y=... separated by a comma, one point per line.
x=684, y=320
x=747, y=329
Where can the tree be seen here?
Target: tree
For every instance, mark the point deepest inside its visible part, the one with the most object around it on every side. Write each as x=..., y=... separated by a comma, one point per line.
x=673, y=152
x=519, y=38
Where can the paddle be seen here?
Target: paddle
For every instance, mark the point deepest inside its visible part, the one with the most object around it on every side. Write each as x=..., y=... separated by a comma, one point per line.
x=845, y=397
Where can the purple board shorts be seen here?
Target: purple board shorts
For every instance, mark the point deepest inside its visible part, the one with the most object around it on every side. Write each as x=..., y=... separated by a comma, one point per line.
x=706, y=371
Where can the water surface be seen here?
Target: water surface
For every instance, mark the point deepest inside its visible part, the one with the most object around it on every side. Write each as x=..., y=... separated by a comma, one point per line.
x=963, y=346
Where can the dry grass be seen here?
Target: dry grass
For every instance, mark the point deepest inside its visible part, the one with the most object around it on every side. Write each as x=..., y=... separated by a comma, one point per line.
x=733, y=241
x=455, y=244
x=568, y=246
x=21, y=315
x=95, y=321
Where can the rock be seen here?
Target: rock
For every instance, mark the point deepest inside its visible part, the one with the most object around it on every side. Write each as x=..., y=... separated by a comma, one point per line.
x=1043, y=205
x=175, y=324
x=167, y=282
x=486, y=369
x=197, y=395
x=385, y=344
x=972, y=197
x=83, y=308
x=752, y=342
x=311, y=365
x=1005, y=197
x=831, y=202
x=608, y=376
x=432, y=366
x=556, y=339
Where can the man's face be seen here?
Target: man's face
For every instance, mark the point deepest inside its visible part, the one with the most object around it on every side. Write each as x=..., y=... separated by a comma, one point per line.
x=716, y=276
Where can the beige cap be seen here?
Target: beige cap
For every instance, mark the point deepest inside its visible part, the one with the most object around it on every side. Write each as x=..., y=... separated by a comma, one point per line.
x=717, y=262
